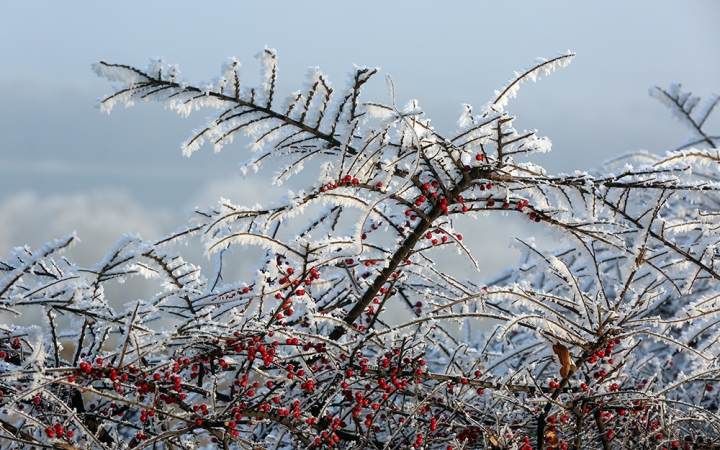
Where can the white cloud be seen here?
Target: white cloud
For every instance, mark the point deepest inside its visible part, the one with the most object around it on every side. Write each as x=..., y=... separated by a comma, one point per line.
x=99, y=218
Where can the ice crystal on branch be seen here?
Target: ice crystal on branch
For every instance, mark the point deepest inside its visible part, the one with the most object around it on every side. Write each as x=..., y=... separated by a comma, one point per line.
x=607, y=342
x=683, y=106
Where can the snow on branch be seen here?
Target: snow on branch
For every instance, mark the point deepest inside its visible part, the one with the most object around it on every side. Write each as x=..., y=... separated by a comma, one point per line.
x=682, y=105
x=542, y=67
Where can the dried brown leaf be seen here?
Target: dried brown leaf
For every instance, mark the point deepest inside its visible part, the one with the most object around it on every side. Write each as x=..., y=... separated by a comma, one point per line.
x=552, y=439
x=564, y=356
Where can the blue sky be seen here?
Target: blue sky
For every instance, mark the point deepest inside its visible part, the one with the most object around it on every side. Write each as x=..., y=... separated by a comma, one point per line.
x=64, y=166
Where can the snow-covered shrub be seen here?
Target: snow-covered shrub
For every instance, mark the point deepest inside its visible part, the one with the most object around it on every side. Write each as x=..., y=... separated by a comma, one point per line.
x=610, y=341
